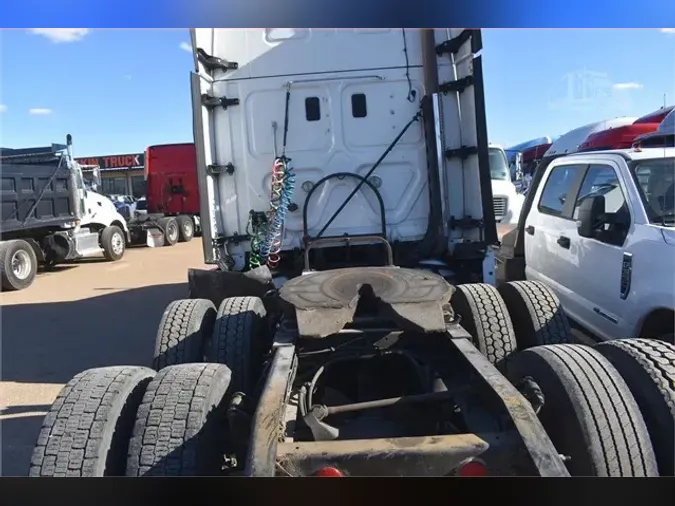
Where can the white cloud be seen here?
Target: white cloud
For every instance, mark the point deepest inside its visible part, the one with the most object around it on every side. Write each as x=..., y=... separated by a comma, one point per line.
x=186, y=47
x=39, y=111
x=61, y=34
x=670, y=31
x=3, y=108
x=627, y=86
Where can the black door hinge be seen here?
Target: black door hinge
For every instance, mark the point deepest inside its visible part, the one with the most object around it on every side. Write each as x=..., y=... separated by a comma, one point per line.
x=214, y=169
x=453, y=45
x=213, y=62
x=457, y=86
x=224, y=102
x=465, y=223
x=464, y=152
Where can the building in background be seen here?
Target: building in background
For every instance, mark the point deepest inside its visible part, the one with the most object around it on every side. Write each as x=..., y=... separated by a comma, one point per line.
x=120, y=174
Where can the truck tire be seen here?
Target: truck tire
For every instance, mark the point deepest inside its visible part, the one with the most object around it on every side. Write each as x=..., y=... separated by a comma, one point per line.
x=484, y=315
x=180, y=425
x=186, y=228
x=536, y=313
x=170, y=229
x=18, y=264
x=113, y=243
x=238, y=337
x=588, y=411
x=86, y=432
x=184, y=328
x=648, y=368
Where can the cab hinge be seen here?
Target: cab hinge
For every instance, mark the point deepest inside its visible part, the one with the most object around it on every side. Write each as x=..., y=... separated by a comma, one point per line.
x=457, y=86
x=213, y=62
x=465, y=223
x=464, y=152
x=453, y=45
x=235, y=239
x=214, y=170
x=224, y=102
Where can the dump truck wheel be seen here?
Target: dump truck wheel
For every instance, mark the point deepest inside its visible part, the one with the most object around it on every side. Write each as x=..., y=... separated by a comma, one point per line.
x=184, y=328
x=186, y=228
x=86, y=432
x=536, y=313
x=179, y=429
x=648, y=368
x=238, y=336
x=113, y=243
x=18, y=264
x=170, y=229
x=484, y=315
x=588, y=410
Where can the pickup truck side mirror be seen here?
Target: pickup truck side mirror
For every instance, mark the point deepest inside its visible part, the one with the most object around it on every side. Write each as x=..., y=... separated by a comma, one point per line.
x=590, y=215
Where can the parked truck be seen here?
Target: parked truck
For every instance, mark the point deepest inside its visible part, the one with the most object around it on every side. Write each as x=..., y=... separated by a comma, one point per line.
x=49, y=214
x=171, y=207
x=351, y=326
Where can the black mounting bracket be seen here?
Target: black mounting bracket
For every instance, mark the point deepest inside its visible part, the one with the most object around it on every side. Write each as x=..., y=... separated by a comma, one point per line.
x=235, y=239
x=453, y=45
x=214, y=169
x=224, y=102
x=457, y=86
x=465, y=223
x=464, y=152
x=213, y=62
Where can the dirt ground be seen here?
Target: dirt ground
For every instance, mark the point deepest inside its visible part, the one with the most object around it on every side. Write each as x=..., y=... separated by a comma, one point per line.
x=80, y=316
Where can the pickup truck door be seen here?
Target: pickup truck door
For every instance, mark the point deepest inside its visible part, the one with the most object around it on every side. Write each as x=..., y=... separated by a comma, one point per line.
x=550, y=254
x=599, y=290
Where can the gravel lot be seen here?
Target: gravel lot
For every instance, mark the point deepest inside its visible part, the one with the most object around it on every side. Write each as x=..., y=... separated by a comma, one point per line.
x=84, y=315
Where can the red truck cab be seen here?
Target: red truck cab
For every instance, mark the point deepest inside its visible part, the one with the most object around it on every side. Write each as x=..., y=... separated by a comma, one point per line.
x=171, y=176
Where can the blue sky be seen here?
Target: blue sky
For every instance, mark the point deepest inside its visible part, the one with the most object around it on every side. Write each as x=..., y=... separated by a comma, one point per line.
x=118, y=91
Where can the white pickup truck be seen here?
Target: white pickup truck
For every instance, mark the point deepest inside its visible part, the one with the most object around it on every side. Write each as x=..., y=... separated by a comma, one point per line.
x=600, y=232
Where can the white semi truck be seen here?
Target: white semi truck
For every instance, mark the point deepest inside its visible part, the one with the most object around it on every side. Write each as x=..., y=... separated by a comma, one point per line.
x=350, y=326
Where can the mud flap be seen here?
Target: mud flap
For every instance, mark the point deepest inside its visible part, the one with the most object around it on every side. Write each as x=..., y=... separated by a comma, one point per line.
x=216, y=285
x=154, y=238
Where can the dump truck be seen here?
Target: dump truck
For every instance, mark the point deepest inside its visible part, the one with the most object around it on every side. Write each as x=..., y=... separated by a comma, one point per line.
x=50, y=215
x=350, y=325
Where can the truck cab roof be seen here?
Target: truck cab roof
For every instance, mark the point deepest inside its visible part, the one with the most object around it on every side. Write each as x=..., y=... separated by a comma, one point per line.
x=629, y=154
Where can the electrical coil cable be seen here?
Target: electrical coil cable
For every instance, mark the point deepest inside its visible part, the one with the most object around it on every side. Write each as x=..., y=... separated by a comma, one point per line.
x=266, y=245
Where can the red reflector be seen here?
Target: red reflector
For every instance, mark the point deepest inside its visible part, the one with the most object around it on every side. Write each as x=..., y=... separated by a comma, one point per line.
x=328, y=472
x=472, y=468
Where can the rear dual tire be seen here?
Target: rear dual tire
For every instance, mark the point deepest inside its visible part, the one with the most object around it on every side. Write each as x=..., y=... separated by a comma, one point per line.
x=18, y=265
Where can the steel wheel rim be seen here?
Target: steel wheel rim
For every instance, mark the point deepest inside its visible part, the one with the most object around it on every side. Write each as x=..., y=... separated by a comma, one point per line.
x=21, y=264
x=187, y=228
x=117, y=243
x=172, y=231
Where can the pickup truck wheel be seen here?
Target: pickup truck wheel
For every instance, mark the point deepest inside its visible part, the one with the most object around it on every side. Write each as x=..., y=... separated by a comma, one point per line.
x=484, y=315
x=179, y=429
x=170, y=229
x=648, y=368
x=536, y=313
x=113, y=243
x=588, y=410
x=184, y=327
x=86, y=432
x=238, y=338
x=186, y=228
x=18, y=264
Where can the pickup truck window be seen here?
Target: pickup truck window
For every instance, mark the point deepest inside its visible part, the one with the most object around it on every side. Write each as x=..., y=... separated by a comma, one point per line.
x=559, y=183
x=655, y=179
x=602, y=180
